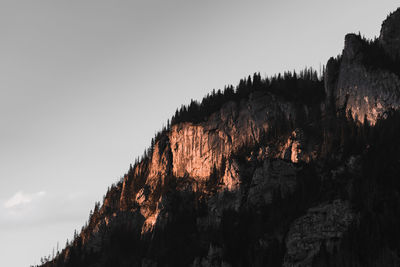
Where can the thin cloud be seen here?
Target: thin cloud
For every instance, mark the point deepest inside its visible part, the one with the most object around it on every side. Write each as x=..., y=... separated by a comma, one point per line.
x=21, y=198
x=43, y=208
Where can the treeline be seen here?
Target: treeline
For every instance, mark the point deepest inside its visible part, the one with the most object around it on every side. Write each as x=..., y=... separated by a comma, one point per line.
x=305, y=87
x=375, y=57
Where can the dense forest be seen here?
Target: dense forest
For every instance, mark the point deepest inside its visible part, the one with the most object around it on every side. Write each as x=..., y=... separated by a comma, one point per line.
x=374, y=57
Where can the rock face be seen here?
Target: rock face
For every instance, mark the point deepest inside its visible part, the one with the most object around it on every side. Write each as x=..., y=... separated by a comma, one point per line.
x=272, y=175
x=247, y=186
x=324, y=224
x=194, y=153
x=366, y=91
x=390, y=35
x=196, y=149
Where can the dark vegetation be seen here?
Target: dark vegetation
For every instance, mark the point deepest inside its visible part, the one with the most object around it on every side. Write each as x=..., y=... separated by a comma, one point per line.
x=241, y=231
x=375, y=57
x=375, y=240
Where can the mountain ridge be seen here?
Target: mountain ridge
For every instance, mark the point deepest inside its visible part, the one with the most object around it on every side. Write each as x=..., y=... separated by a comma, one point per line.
x=260, y=175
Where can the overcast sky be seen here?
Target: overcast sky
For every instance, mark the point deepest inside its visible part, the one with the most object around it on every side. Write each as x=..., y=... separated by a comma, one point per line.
x=85, y=84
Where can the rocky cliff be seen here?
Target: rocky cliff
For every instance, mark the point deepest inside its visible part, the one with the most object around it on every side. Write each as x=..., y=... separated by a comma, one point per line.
x=269, y=179
x=366, y=81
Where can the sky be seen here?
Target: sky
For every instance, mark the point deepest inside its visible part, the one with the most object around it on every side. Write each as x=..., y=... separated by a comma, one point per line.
x=85, y=84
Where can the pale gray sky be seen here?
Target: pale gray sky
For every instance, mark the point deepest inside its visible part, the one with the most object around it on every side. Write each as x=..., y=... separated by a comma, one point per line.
x=85, y=84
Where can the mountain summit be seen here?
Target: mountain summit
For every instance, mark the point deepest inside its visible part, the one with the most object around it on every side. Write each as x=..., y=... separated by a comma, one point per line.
x=298, y=169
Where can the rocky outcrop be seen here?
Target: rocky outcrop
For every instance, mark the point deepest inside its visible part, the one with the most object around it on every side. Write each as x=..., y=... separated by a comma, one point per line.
x=362, y=92
x=361, y=89
x=196, y=149
x=390, y=35
x=274, y=176
x=322, y=225
x=294, y=149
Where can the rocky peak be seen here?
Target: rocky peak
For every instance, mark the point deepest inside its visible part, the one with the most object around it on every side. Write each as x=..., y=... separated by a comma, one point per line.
x=390, y=34
x=365, y=81
x=352, y=51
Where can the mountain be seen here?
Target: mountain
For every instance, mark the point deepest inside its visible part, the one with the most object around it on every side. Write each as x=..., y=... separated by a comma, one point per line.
x=299, y=169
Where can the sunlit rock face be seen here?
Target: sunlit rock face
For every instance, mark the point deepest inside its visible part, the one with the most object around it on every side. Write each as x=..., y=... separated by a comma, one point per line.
x=196, y=149
x=296, y=148
x=159, y=169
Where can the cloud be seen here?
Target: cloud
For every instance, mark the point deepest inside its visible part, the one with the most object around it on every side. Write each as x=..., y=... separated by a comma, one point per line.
x=20, y=198
x=39, y=209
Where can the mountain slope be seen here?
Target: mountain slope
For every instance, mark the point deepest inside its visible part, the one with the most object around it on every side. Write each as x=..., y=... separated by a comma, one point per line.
x=294, y=170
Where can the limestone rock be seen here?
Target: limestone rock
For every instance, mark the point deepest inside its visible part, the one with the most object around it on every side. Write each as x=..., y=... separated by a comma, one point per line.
x=325, y=223
x=365, y=92
x=273, y=177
